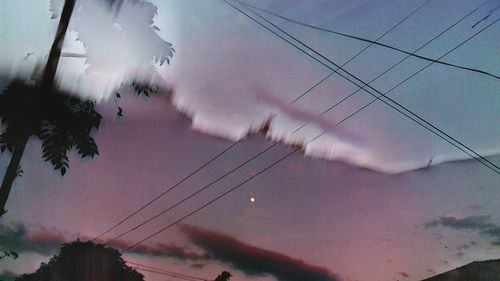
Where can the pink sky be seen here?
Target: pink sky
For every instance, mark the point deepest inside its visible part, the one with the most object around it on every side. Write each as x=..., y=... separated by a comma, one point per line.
x=348, y=220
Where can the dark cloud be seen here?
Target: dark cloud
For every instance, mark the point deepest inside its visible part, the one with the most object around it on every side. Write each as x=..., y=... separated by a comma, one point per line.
x=20, y=238
x=162, y=250
x=482, y=224
x=198, y=265
x=472, y=222
x=255, y=261
x=250, y=260
x=7, y=275
x=404, y=274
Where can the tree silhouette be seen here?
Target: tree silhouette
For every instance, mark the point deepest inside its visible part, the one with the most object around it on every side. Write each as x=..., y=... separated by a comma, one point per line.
x=84, y=261
x=224, y=276
x=60, y=121
x=41, y=110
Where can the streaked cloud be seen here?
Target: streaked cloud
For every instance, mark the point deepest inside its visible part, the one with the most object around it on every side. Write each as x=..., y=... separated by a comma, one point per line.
x=482, y=224
x=162, y=250
x=255, y=261
x=20, y=238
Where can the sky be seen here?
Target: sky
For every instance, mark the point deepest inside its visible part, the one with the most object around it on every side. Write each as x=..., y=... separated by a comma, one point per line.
x=359, y=203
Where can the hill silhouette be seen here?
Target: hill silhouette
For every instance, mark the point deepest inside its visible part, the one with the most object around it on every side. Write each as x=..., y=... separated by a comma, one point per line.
x=475, y=271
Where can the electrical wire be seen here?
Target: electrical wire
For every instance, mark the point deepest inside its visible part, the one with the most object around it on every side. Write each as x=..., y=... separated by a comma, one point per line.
x=382, y=97
x=220, y=196
x=234, y=144
x=170, y=273
x=370, y=41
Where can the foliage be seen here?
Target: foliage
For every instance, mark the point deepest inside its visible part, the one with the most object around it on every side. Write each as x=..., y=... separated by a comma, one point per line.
x=62, y=122
x=141, y=89
x=224, y=276
x=85, y=261
x=9, y=254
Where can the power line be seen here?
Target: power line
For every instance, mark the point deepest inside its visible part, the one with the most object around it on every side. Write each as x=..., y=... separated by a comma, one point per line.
x=295, y=150
x=232, y=189
x=167, y=191
x=382, y=97
x=239, y=141
x=249, y=160
x=213, y=200
x=180, y=277
x=413, y=75
x=192, y=195
x=170, y=273
x=368, y=46
x=162, y=273
x=370, y=41
x=399, y=62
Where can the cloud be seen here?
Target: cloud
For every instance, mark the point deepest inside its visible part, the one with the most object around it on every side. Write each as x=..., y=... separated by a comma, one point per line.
x=255, y=261
x=7, y=275
x=404, y=274
x=20, y=238
x=249, y=259
x=471, y=222
x=336, y=143
x=162, y=250
x=482, y=224
x=307, y=117
x=198, y=265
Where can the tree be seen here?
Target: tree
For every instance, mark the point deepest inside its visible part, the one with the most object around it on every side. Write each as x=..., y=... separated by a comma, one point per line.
x=62, y=123
x=38, y=108
x=84, y=261
x=224, y=276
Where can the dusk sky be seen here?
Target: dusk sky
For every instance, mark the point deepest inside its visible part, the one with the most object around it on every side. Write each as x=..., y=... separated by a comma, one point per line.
x=376, y=198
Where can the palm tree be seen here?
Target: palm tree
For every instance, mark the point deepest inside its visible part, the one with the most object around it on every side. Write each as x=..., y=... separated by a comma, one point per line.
x=60, y=121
